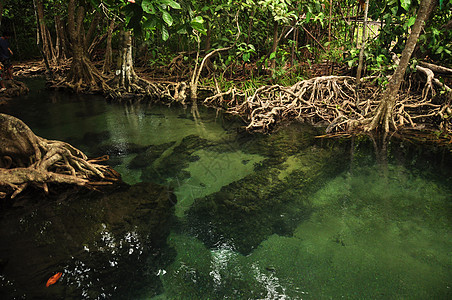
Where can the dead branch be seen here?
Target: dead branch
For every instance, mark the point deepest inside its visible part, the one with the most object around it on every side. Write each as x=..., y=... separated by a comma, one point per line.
x=436, y=68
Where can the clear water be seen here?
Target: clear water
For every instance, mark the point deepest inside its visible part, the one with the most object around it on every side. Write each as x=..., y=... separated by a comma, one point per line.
x=285, y=216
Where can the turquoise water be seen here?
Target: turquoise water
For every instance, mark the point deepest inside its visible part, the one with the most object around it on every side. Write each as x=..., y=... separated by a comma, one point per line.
x=281, y=216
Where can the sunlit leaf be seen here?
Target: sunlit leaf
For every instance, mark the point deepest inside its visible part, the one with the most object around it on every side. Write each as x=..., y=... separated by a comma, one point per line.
x=410, y=22
x=198, y=19
x=171, y=3
x=405, y=4
x=198, y=24
x=167, y=18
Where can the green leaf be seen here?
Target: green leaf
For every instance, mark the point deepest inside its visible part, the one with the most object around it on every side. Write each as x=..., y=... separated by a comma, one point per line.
x=147, y=6
x=167, y=18
x=150, y=23
x=405, y=4
x=272, y=55
x=308, y=17
x=394, y=10
x=198, y=24
x=182, y=30
x=411, y=21
x=198, y=19
x=171, y=3
x=246, y=57
x=165, y=34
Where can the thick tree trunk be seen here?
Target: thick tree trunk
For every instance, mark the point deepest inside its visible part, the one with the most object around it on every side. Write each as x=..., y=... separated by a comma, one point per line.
x=127, y=83
x=82, y=75
x=383, y=116
x=26, y=159
x=126, y=76
x=108, y=51
x=44, y=34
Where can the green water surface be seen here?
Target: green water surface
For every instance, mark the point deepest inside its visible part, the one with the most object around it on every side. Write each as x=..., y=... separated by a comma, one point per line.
x=281, y=216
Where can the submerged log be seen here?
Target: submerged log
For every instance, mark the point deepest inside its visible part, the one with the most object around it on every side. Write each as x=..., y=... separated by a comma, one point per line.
x=27, y=159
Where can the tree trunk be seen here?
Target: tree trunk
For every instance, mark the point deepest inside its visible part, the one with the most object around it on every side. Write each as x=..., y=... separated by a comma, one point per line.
x=274, y=46
x=44, y=34
x=127, y=74
x=108, y=51
x=127, y=83
x=82, y=75
x=26, y=159
x=92, y=29
x=383, y=115
x=363, y=44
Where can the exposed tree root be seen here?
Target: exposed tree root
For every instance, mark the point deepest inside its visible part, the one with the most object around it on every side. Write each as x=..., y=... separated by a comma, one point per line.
x=26, y=159
x=325, y=100
x=14, y=88
x=331, y=101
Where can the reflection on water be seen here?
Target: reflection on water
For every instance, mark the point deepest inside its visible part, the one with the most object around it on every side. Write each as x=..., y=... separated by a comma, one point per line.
x=281, y=216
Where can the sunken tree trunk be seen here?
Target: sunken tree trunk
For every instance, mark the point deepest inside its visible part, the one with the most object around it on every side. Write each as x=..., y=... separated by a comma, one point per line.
x=26, y=159
x=383, y=116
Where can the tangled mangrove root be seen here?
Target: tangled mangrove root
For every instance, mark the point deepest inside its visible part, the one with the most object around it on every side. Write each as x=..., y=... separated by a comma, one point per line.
x=325, y=100
x=26, y=159
x=335, y=102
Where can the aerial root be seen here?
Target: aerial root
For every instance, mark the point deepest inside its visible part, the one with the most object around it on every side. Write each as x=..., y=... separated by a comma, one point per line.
x=325, y=100
x=37, y=161
x=332, y=101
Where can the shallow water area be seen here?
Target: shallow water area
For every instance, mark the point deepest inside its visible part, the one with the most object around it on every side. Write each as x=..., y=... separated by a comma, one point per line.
x=213, y=212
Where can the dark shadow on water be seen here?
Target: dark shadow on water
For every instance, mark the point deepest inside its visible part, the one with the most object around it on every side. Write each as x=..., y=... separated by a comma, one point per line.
x=106, y=245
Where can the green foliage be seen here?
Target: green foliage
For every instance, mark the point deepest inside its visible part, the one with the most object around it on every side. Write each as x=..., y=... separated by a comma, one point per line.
x=281, y=10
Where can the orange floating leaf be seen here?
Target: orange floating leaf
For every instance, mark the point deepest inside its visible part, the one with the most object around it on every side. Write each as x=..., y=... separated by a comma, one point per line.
x=53, y=279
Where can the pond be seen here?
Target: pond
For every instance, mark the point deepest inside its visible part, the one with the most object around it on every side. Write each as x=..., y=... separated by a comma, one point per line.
x=212, y=212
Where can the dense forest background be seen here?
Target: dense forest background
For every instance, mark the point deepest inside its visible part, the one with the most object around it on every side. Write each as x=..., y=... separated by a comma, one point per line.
x=229, y=50
x=283, y=36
